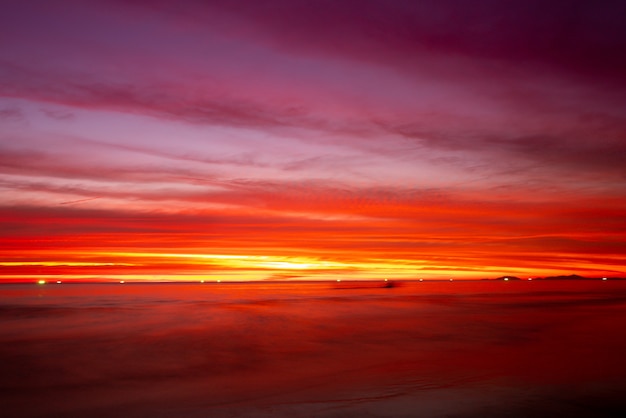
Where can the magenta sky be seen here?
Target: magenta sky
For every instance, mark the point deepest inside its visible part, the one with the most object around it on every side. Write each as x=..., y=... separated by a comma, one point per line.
x=310, y=139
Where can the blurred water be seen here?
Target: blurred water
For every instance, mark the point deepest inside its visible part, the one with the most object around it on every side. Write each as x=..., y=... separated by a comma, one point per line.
x=430, y=349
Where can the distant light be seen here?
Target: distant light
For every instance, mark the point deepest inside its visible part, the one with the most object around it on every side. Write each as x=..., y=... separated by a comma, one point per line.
x=218, y=280
x=121, y=281
x=530, y=278
x=421, y=280
x=451, y=280
x=58, y=281
x=385, y=279
x=338, y=280
x=506, y=279
x=604, y=278
x=201, y=281
x=41, y=282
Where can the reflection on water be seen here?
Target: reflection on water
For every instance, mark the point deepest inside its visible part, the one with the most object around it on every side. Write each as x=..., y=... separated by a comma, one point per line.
x=430, y=349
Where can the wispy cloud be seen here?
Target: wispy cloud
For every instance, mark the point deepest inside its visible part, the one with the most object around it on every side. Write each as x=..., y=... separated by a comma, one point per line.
x=11, y=114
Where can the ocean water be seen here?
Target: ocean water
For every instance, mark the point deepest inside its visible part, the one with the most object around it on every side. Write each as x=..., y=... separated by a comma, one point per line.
x=430, y=349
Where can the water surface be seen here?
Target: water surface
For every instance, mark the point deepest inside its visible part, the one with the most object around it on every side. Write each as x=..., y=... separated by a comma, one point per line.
x=430, y=349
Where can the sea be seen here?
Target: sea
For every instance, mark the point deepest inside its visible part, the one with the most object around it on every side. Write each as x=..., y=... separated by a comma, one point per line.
x=459, y=349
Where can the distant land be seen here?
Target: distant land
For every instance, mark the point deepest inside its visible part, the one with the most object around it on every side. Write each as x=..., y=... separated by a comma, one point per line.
x=570, y=277
x=339, y=283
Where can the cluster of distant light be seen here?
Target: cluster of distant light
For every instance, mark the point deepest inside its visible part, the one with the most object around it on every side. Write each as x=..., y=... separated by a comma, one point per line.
x=506, y=279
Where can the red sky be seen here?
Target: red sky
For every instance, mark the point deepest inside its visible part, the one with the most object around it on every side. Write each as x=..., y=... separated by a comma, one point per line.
x=160, y=140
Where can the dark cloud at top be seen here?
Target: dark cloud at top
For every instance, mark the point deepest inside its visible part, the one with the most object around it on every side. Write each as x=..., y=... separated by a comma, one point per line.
x=581, y=37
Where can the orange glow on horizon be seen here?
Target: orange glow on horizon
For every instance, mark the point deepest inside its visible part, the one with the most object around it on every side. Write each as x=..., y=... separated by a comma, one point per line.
x=437, y=240
x=156, y=266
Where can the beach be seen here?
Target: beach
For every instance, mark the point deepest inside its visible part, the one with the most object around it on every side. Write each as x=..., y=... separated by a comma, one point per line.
x=431, y=349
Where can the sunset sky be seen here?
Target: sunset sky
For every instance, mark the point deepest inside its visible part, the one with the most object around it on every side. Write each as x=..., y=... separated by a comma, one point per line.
x=293, y=139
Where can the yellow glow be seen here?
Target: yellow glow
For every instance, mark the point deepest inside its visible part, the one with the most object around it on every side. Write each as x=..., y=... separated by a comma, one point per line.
x=285, y=265
x=58, y=264
x=41, y=282
x=271, y=262
x=178, y=264
x=244, y=267
x=184, y=266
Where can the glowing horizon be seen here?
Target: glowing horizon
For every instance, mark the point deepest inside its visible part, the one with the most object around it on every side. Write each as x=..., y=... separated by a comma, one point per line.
x=156, y=141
